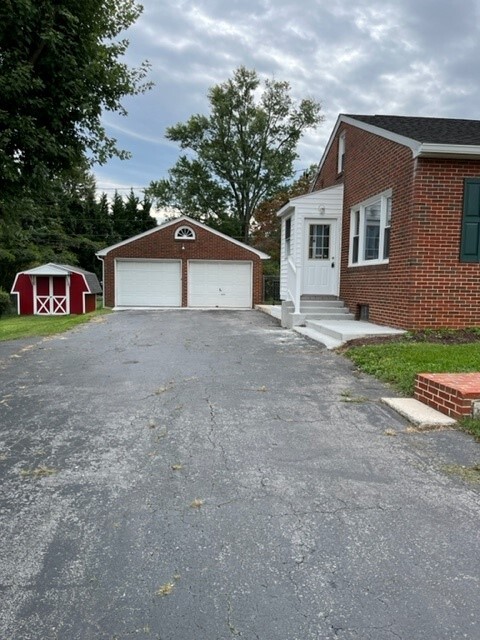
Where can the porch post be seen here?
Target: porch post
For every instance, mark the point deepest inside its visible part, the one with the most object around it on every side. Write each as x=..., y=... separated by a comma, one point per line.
x=298, y=288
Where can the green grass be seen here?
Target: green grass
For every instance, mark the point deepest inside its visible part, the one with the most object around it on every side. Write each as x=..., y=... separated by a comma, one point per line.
x=15, y=327
x=471, y=425
x=398, y=363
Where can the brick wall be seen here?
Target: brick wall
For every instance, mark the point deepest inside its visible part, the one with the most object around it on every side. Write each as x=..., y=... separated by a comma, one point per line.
x=450, y=393
x=161, y=244
x=424, y=284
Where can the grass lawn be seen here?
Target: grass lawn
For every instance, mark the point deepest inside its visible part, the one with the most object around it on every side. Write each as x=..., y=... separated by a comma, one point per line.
x=15, y=327
x=398, y=362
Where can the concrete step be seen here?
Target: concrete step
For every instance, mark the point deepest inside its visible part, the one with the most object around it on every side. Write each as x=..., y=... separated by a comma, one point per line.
x=344, y=330
x=321, y=303
x=304, y=308
x=328, y=315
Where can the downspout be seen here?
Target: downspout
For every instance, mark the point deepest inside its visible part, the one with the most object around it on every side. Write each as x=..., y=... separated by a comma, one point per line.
x=103, y=280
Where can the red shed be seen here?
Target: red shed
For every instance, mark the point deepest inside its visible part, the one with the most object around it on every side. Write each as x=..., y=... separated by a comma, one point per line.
x=55, y=289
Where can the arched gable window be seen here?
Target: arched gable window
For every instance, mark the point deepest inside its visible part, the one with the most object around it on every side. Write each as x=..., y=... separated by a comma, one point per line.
x=184, y=233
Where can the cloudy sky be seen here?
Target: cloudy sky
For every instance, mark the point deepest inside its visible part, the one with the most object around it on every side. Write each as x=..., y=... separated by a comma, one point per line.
x=403, y=57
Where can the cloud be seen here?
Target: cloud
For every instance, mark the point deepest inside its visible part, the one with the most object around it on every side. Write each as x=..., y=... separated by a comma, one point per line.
x=414, y=57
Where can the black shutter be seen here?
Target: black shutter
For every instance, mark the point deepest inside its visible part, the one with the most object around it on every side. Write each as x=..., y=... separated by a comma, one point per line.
x=470, y=246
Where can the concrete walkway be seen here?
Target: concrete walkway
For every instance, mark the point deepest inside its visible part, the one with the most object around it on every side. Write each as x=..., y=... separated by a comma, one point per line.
x=334, y=333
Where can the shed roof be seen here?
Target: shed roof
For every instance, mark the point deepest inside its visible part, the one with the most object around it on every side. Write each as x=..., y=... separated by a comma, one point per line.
x=54, y=269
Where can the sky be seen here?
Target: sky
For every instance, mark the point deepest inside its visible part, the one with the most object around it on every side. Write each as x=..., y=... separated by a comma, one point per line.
x=397, y=57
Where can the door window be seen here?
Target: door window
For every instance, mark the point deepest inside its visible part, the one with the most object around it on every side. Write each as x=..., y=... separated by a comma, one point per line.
x=319, y=242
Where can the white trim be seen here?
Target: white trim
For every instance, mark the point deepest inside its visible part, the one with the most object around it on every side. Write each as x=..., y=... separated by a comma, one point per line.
x=48, y=304
x=341, y=153
x=184, y=227
x=190, y=221
x=430, y=150
x=413, y=144
x=361, y=262
x=419, y=149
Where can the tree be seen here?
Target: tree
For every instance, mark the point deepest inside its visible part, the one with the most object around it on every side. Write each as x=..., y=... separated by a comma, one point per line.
x=131, y=216
x=59, y=70
x=266, y=226
x=239, y=155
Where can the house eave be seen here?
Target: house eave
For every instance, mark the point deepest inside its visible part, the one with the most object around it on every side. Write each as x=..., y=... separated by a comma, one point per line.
x=460, y=151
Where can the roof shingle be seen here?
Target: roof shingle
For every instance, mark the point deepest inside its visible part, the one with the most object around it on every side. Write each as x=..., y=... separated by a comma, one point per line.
x=427, y=130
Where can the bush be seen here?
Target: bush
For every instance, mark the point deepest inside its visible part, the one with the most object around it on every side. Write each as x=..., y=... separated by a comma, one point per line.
x=5, y=303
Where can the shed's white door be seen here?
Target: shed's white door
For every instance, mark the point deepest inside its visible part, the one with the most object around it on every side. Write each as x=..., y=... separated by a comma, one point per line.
x=321, y=264
x=219, y=284
x=148, y=283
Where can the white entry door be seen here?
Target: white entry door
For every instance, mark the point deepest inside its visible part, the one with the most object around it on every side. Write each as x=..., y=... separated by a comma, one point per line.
x=320, y=273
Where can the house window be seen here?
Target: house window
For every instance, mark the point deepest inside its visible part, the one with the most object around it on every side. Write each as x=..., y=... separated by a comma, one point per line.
x=386, y=231
x=319, y=242
x=370, y=231
x=355, y=234
x=341, y=153
x=288, y=235
x=184, y=233
x=470, y=244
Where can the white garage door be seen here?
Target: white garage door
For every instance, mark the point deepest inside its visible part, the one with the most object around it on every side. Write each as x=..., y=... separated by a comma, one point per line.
x=148, y=283
x=219, y=284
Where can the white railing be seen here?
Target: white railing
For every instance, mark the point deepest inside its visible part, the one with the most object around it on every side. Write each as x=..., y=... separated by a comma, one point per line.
x=294, y=274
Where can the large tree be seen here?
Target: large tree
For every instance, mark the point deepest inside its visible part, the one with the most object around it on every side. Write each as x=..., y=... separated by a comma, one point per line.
x=266, y=226
x=61, y=67
x=239, y=154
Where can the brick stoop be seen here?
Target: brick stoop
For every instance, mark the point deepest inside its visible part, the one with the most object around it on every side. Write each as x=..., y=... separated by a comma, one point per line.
x=450, y=393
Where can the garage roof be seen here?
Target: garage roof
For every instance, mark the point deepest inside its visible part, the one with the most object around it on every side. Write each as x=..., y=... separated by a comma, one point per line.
x=188, y=220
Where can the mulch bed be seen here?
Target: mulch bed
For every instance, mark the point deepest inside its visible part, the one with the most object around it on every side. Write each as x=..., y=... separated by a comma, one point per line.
x=441, y=336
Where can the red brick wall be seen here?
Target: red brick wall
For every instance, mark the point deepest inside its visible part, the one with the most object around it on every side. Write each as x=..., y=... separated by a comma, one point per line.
x=450, y=393
x=424, y=284
x=446, y=292
x=161, y=244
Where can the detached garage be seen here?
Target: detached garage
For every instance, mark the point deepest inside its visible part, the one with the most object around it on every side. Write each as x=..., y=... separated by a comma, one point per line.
x=182, y=263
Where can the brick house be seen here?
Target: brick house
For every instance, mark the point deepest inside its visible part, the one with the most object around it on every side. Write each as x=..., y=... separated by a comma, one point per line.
x=391, y=225
x=182, y=263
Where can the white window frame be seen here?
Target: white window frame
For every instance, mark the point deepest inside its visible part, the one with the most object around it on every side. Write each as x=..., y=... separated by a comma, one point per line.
x=341, y=153
x=288, y=241
x=185, y=229
x=385, y=206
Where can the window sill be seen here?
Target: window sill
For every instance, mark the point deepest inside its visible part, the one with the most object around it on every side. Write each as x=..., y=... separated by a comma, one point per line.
x=368, y=263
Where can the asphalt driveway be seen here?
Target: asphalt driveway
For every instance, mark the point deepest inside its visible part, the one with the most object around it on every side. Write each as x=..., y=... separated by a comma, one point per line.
x=191, y=475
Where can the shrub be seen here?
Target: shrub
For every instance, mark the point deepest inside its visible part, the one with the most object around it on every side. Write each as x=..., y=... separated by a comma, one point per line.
x=5, y=303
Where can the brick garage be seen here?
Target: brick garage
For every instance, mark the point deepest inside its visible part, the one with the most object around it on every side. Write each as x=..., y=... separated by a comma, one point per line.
x=425, y=283
x=182, y=263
